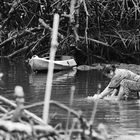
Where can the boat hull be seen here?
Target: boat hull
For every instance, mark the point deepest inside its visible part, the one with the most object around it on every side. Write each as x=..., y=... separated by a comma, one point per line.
x=41, y=64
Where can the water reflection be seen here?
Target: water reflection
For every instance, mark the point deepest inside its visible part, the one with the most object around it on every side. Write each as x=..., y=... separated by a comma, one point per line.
x=40, y=78
x=129, y=112
x=15, y=73
x=120, y=117
x=38, y=83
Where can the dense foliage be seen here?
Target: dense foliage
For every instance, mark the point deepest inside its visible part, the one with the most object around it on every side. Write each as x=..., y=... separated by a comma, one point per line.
x=90, y=30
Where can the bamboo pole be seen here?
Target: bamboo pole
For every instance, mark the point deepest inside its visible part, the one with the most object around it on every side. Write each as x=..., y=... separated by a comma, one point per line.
x=53, y=49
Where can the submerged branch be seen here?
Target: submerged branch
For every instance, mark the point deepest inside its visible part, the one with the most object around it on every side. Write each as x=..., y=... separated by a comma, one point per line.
x=27, y=112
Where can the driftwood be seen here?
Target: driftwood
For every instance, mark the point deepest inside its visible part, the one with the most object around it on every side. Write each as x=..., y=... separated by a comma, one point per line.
x=17, y=126
x=37, y=119
x=41, y=130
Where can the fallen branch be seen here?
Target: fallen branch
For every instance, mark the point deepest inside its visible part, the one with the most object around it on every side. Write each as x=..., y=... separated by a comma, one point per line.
x=16, y=126
x=20, y=50
x=36, y=118
x=96, y=41
x=58, y=104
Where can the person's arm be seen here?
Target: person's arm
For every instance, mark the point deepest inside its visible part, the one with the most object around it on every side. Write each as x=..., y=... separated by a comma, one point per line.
x=113, y=85
x=106, y=92
x=114, y=92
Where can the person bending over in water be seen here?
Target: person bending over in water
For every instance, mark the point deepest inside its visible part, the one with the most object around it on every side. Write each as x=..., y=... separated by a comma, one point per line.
x=123, y=82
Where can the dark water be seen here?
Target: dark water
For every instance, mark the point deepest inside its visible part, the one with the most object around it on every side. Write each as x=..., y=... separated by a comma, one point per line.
x=119, y=117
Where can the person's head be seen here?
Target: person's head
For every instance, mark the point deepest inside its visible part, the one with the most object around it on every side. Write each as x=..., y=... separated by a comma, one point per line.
x=109, y=70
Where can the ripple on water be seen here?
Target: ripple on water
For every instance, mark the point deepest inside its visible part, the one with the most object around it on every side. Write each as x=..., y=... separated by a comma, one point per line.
x=121, y=118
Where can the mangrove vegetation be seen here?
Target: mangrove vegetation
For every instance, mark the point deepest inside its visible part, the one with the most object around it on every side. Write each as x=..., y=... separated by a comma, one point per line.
x=90, y=30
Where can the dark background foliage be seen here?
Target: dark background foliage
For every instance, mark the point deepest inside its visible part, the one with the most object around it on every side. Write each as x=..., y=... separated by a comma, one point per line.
x=107, y=30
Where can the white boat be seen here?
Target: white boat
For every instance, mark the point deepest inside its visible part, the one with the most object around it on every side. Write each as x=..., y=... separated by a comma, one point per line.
x=40, y=64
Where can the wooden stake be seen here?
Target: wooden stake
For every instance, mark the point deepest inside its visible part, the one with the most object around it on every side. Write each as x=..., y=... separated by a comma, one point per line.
x=53, y=50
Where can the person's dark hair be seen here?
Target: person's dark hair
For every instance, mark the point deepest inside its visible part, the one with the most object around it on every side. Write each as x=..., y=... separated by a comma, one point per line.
x=109, y=68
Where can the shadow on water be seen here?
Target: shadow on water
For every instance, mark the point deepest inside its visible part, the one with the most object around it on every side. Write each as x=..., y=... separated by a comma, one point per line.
x=120, y=117
x=15, y=73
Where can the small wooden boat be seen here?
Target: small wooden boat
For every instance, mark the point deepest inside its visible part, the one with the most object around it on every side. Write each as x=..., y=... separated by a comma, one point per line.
x=41, y=64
